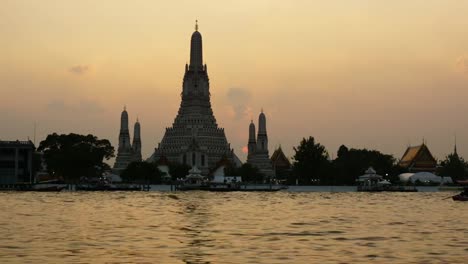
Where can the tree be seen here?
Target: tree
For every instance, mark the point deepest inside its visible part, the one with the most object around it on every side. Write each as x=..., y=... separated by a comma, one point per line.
x=142, y=172
x=72, y=156
x=351, y=163
x=454, y=166
x=178, y=171
x=311, y=162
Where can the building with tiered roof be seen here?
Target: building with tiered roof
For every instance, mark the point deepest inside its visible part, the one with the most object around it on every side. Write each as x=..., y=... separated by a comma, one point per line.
x=418, y=159
x=281, y=164
x=194, y=138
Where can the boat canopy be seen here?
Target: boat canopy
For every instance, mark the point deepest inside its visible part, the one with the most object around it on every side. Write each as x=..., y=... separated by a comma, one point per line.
x=194, y=174
x=371, y=174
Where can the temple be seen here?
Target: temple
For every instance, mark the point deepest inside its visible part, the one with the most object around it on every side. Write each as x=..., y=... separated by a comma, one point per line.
x=194, y=137
x=127, y=153
x=281, y=164
x=257, y=147
x=418, y=159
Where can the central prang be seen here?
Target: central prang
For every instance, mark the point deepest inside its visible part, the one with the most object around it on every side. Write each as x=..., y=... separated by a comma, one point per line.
x=195, y=138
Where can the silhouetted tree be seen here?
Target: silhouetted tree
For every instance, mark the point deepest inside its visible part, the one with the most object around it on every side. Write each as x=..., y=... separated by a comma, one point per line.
x=178, y=171
x=311, y=162
x=351, y=163
x=454, y=166
x=72, y=156
x=142, y=172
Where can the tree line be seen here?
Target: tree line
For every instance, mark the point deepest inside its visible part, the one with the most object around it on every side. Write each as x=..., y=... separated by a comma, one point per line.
x=312, y=165
x=72, y=156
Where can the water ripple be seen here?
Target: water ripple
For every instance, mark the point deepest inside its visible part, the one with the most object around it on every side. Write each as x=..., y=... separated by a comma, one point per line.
x=200, y=227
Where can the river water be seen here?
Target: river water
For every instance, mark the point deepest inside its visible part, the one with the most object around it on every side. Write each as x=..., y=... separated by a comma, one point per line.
x=203, y=227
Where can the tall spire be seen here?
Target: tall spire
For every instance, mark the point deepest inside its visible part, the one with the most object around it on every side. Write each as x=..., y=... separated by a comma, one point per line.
x=455, y=146
x=262, y=123
x=125, y=151
x=124, y=120
x=136, y=141
x=252, y=144
x=196, y=51
x=262, y=137
x=252, y=132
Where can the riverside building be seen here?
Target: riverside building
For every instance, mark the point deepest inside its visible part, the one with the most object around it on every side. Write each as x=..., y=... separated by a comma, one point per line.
x=16, y=161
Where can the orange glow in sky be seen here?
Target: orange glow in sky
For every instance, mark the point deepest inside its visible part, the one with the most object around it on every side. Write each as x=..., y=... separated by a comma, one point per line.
x=367, y=74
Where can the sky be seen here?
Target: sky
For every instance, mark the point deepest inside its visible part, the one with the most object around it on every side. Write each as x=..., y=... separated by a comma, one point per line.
x=373, y=74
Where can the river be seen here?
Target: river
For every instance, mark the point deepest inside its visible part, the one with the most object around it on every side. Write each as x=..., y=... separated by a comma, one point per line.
x=204, y=227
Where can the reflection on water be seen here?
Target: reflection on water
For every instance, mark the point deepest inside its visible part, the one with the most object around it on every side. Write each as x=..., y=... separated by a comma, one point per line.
x=202, y=227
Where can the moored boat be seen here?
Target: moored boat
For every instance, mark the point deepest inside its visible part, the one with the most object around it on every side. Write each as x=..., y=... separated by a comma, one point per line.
x=196, y=182
x=45, y=186
x=104, y=183
x=107, y=187
x=372, y=182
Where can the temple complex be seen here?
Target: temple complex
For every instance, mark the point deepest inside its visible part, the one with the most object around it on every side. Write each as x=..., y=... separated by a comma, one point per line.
x=194, y=137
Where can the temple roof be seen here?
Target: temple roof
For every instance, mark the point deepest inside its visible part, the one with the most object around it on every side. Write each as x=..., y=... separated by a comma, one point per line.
x=279, y=155
x=419, y=153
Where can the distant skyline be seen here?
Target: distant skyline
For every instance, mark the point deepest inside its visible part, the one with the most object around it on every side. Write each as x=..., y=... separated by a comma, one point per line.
x=366, y=74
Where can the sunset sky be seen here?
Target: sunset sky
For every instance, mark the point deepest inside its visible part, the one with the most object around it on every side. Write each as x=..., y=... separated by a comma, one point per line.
x=374, y=74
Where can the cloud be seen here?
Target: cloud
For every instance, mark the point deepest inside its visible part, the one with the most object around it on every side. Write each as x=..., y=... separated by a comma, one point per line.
x=462, y=64
x=239, y=100
x=79, y=69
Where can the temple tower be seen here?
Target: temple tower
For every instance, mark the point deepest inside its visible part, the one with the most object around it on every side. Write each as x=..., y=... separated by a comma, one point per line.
x=195, y=138
x=124, y=135
x=262, y=137
x=258, y=151
x=252, y=144
x=125, y=151
x=136, y=142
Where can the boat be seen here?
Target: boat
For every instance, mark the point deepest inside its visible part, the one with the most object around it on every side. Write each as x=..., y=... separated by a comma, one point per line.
x=460, y=197
x=463, y=196
x=104, y=183
x=107, y=187
x=372, y=182
x=48, y=186
x=39, y=185
x=194, y=181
